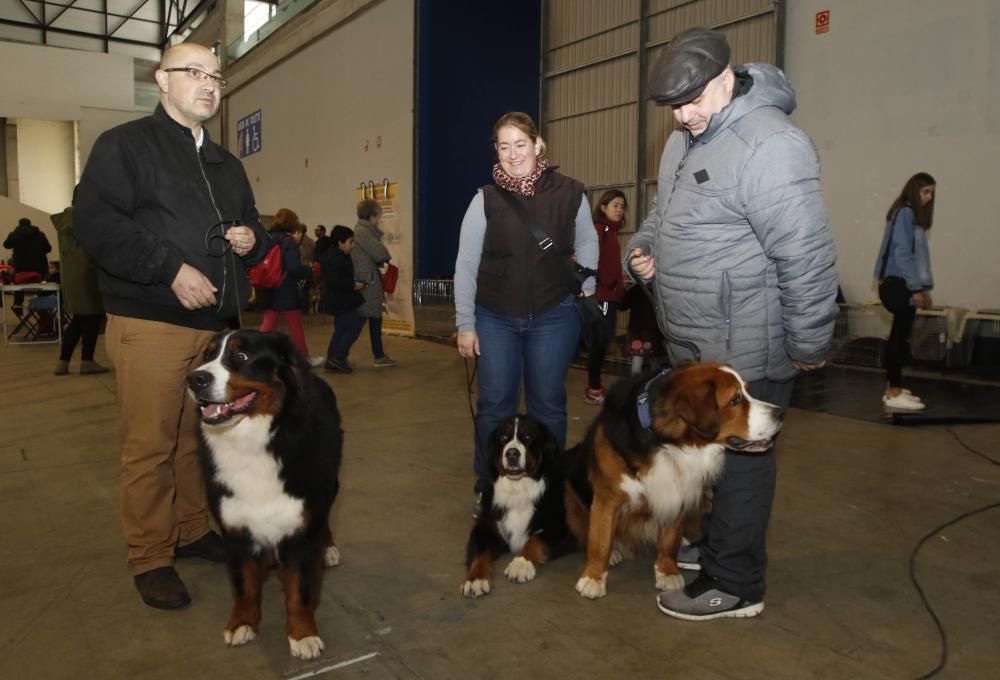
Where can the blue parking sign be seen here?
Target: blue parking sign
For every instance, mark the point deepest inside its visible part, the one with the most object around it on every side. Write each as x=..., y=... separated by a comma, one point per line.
x=248, y=134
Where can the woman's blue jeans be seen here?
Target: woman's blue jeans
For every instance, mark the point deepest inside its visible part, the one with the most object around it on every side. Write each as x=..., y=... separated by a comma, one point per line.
x=375, y=335
x=537, y=350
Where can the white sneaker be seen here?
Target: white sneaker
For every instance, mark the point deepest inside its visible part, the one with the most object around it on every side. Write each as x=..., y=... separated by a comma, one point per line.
x=911, y=395
x=902, y=402
x=316, y=362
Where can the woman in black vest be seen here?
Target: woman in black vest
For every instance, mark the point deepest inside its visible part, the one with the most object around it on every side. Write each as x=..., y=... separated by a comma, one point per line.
x=514, y=307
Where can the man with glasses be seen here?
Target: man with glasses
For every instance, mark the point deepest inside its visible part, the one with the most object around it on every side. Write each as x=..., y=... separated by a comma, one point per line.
x=169, y=217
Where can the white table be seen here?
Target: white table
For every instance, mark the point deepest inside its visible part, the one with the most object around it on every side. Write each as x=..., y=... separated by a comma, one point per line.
x=30, y=290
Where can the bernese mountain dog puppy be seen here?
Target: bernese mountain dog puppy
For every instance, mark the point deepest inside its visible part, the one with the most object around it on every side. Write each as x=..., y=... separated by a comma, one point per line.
x=271, y=447
x=649, y=458
x=524, y=509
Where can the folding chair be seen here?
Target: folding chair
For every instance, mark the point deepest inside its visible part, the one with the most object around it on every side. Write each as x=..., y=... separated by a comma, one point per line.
x=38, y=319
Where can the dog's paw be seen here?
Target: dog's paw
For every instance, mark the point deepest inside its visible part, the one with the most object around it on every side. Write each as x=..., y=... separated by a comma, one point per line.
x=475, y=588
x=306, y=648
x=520, y=570
x=331, y=556
x=591, y=588
x=616, y=557
x=240, y=636
x=668, y=581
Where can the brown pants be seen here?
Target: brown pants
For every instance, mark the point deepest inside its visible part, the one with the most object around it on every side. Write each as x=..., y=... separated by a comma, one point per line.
x=162, y=493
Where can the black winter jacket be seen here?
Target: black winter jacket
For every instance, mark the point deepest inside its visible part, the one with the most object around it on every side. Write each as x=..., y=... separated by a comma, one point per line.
x=30, y=246
x=147, y=203
x=339, y=294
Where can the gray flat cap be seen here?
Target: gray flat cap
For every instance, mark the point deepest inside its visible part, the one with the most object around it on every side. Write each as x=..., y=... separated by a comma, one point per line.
x=687, y=65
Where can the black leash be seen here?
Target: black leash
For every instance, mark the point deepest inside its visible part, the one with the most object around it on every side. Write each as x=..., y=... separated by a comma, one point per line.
x=943, y=658
x=469, y=379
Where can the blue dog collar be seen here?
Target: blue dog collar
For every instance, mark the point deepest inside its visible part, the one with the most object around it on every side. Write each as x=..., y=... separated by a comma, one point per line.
x=642, y=401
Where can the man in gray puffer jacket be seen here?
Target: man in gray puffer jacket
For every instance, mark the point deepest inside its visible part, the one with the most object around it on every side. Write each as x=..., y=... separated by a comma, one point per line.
x=740, y=254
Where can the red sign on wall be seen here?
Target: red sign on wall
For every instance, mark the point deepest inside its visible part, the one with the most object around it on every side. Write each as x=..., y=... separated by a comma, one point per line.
x=823, y=21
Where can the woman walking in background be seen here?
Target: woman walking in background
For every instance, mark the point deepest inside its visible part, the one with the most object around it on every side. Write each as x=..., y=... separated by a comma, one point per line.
x=609, y=217
x=368, y=255
x=903, y=269
x=283, y=302
x=80, y=298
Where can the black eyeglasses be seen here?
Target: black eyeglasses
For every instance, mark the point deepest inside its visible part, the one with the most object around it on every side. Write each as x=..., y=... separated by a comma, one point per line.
x=198, y=74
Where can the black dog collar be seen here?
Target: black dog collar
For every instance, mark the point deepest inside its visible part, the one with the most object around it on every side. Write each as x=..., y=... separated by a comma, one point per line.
x=642, y=401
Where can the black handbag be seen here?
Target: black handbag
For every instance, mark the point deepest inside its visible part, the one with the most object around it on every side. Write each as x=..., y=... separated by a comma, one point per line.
x=571, y=271
x=892, y=290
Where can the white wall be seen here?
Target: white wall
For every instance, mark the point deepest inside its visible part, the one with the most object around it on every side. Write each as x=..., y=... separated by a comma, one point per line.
x=51, y=83
x=320, y=106
x=896, y=88
x=46, y=163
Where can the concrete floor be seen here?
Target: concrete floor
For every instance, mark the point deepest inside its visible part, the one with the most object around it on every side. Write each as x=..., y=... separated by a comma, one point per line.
x=854, y=498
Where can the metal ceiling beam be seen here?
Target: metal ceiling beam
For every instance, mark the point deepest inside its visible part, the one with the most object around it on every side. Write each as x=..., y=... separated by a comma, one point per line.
x=61, y=12
x=130, y=16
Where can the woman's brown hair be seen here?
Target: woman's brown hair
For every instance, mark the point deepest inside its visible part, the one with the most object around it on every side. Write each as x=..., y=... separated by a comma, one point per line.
x=522, y=122
x=285, y=220
x=607, y=197
x=910, y=196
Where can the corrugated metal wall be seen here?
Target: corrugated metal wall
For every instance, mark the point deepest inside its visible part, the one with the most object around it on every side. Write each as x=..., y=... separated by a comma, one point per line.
x=595, y=117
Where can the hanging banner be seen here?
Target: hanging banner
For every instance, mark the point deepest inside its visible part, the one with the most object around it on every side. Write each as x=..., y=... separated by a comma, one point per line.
x=398, y=305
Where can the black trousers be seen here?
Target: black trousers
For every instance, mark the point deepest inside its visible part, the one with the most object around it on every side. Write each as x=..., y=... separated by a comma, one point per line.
x=734, y=548
x=597, y=336
x=83, y=326
x=897, y=351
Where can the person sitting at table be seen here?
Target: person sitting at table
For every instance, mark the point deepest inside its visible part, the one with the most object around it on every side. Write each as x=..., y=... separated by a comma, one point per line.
x=29, y=247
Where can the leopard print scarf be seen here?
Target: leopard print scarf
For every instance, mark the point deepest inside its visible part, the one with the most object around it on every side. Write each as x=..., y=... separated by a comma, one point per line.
x=523, y=186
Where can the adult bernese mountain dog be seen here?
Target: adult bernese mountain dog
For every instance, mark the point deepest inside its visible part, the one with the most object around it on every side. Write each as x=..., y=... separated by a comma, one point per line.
x=524, y=509
x=654, y=450
x=271, y=447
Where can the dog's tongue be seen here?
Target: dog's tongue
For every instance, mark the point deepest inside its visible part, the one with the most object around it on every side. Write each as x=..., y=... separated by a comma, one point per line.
x=242, y=401
x=212, y=411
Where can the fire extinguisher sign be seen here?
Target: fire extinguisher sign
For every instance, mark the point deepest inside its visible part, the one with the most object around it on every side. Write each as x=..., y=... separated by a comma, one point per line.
x=823, y=21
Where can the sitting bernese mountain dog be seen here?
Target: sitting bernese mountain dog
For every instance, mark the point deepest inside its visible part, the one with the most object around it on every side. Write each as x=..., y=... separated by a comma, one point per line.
x=650, y=457
x=271, y=447
x=524, y=509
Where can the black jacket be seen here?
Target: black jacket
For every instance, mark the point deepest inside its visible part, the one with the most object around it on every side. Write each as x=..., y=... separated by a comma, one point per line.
x=30, y=246
x=339, y=294
x=150, y=201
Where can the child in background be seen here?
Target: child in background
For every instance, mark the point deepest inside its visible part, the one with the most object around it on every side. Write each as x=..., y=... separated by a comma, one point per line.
x=341, y=298
x=643, y=338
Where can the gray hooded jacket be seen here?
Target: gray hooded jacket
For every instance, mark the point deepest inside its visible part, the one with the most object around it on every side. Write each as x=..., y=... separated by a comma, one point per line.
x=745, y=262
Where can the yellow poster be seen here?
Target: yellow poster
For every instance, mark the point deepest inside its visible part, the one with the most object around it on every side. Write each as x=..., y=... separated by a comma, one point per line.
x=398, y=305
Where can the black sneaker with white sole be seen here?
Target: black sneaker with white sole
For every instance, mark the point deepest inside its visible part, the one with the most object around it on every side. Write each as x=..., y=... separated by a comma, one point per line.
x=703, y=600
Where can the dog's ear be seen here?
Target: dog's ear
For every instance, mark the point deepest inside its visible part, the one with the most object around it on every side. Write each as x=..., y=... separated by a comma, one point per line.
x=493, y=450
x=289, y=355
x=699, y=409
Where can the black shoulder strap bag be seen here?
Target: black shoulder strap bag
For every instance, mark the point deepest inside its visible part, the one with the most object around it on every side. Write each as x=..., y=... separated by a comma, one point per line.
x=570, y=271
x=892, y=290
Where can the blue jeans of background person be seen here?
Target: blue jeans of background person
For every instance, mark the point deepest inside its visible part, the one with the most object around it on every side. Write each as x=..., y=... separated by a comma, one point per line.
x=734, y=550
x=539, y=350
x=347, y=328
x=375, y=333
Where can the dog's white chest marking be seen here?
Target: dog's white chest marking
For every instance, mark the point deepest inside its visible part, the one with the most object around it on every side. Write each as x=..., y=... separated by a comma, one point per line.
x=675, y=481
x=258, y=502
x=518, y=499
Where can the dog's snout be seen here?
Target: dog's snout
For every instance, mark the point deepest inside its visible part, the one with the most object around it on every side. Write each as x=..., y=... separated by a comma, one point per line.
x=200, y=380
x=513, y=456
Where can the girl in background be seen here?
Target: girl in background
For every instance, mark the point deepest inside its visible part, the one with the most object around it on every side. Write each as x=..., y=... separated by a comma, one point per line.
x=609, y=217
x=905, y=254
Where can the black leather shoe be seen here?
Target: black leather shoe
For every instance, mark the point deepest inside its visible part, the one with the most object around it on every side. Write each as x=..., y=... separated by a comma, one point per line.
x=162, y=588
x=208, y=547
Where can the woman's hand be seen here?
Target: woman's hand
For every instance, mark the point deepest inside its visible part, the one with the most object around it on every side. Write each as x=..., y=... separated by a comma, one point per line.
x=468, y=344
x=922, y=300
